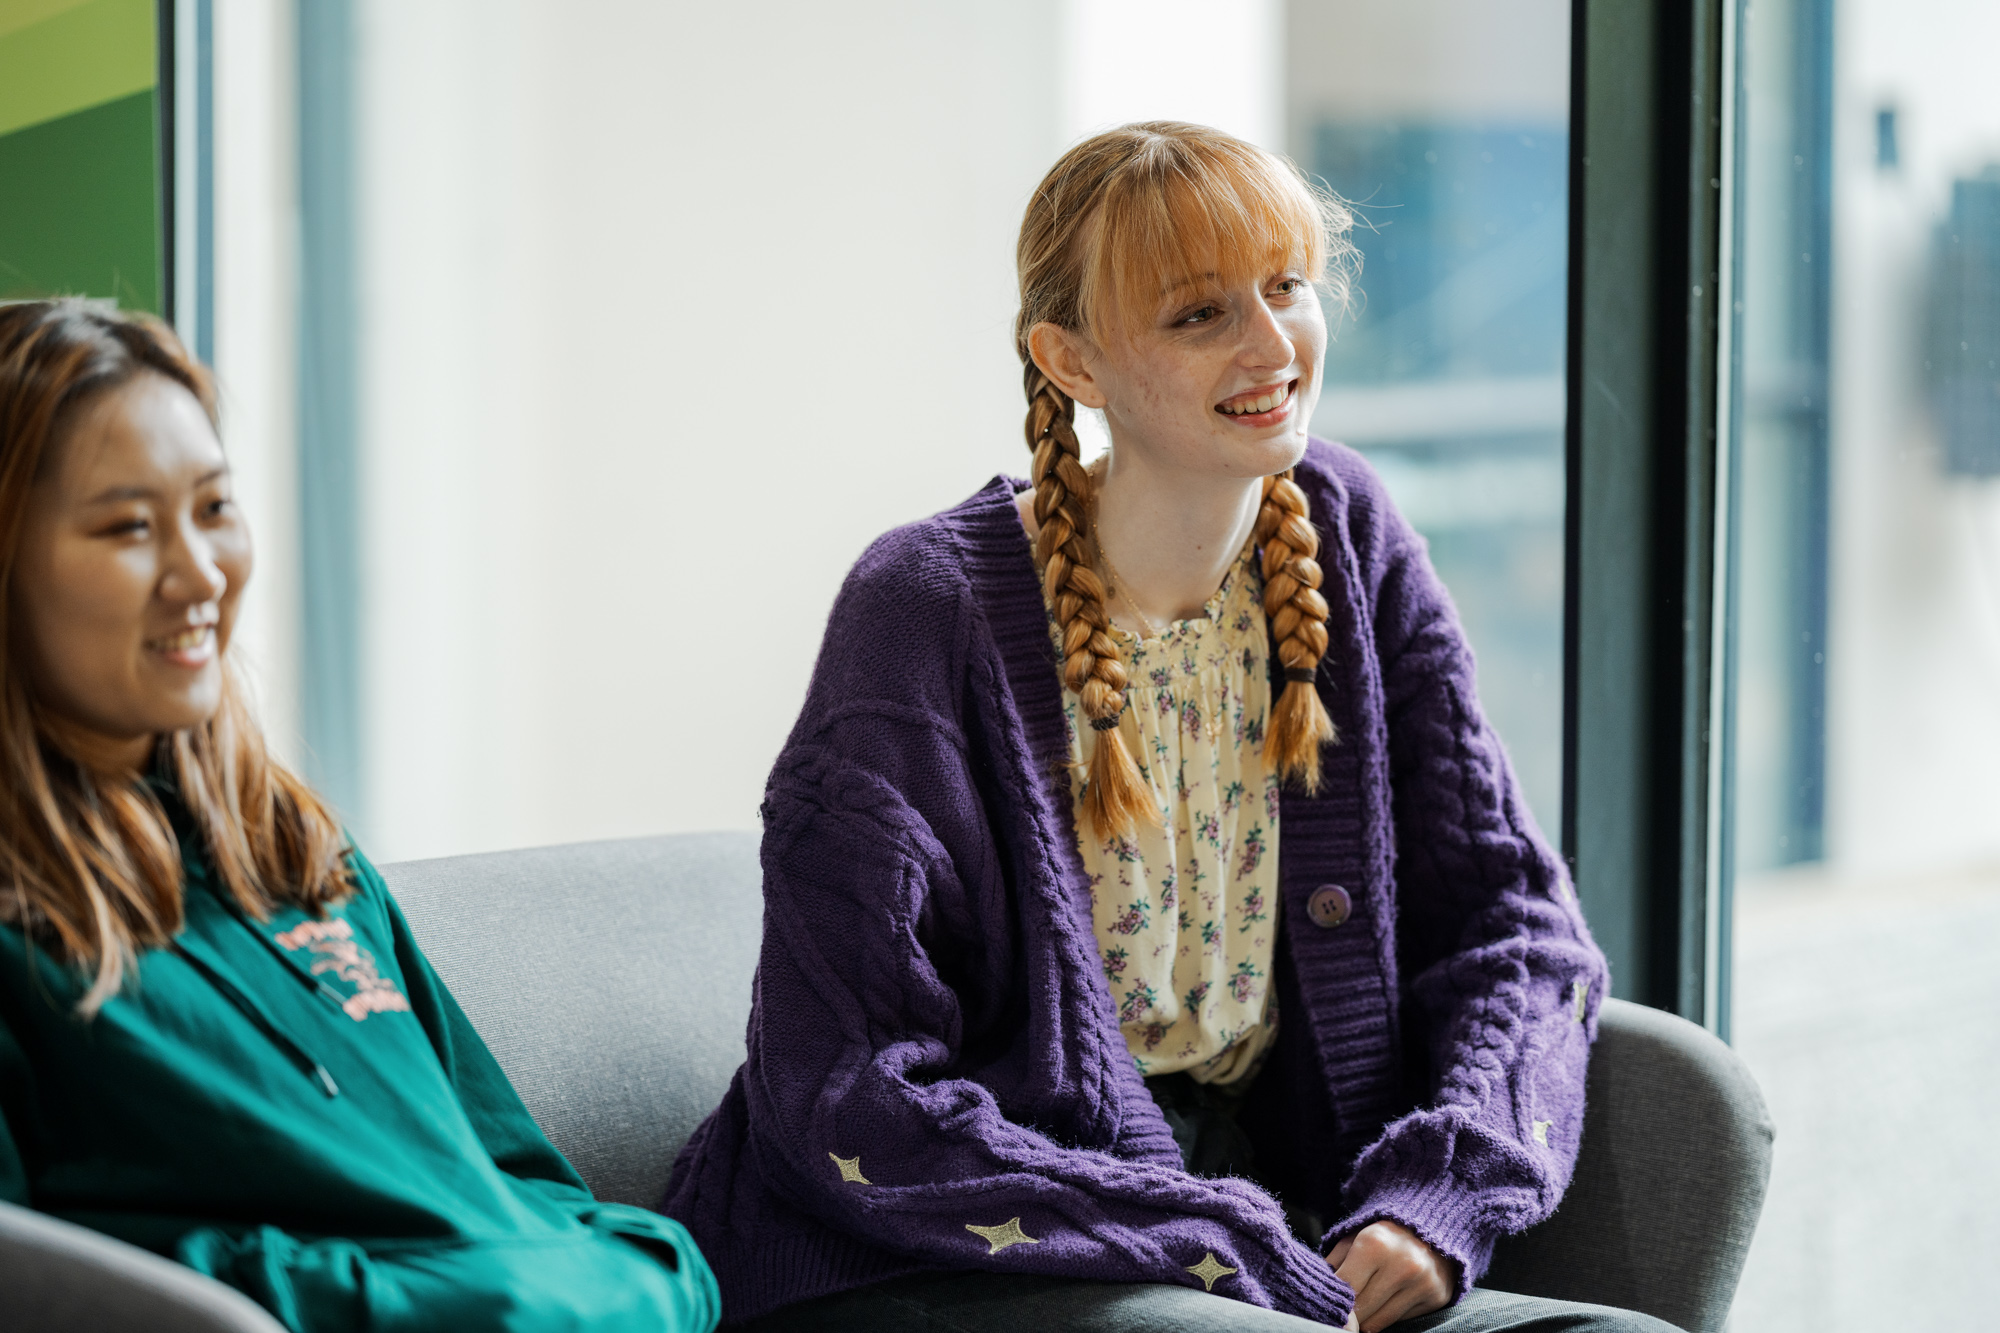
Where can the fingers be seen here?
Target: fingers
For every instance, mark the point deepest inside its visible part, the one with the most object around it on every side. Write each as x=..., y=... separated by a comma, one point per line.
x=1394, y=1275
x=1361, y=1269
x=1410, y=1300
x=1334, y=1259
x=1371, y=1310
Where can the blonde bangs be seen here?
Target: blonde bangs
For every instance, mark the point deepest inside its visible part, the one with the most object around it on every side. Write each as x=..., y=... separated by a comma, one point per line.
x=1183, y=209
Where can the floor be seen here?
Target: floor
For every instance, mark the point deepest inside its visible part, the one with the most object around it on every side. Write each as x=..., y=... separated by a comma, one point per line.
x=1870, y=1013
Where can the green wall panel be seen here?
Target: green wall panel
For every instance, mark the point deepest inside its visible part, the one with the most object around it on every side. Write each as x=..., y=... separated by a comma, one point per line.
x=79, y=207
x=59, y=58
x=79, y=151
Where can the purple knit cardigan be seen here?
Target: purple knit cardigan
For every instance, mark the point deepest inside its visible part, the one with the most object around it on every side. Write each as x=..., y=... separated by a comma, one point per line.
x=936, y=1078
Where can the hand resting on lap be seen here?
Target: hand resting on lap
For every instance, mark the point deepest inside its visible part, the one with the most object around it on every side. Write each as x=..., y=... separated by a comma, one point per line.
x=1395, y=1275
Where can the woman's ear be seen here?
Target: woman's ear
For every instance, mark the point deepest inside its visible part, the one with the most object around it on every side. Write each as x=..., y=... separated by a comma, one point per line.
x=1066, y=357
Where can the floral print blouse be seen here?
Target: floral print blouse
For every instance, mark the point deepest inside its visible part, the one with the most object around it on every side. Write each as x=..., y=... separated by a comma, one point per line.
x=1185, y=912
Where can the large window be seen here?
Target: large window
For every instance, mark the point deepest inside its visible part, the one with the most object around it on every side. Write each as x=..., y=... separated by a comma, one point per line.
x=1865, y=764
x=1448, y=369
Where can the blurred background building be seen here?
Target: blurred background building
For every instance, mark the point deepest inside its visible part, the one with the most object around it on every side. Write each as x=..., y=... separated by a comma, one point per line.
x=1866, y=757
x=570, y=354
x=1447, y=125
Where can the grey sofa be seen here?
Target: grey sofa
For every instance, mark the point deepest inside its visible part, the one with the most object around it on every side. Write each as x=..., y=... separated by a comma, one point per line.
x=612, y=980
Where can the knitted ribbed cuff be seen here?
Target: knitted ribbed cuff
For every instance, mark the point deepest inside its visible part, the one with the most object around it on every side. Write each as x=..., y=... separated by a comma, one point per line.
x=1305, y=1285
x=1442, y=1213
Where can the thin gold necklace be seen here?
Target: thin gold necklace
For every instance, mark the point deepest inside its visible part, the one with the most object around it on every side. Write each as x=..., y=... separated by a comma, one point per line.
x=1097, y=470
x=1118, y=582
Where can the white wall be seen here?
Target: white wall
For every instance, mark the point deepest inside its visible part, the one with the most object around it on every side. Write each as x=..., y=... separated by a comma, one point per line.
x=1212, y=62
x=670, y=310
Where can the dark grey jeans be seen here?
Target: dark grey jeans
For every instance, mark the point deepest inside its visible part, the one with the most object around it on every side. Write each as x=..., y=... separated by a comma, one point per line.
x=1013, y=1303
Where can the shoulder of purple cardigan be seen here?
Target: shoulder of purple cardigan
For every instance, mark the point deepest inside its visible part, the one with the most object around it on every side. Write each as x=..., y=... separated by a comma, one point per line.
x=901, y=630
x=1348, y=497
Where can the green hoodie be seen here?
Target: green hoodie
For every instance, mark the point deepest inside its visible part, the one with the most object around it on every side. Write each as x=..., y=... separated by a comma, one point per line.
x=298, y=1108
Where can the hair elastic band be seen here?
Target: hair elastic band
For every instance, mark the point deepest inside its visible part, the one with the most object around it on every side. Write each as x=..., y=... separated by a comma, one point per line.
x=1106, y=723
x=1303, y=675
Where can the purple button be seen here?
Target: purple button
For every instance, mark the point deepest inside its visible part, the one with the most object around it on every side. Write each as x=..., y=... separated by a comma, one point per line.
x=1329, y=906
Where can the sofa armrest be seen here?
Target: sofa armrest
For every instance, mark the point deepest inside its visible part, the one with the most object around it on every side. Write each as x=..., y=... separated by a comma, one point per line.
x=1669, y=1178
x=59, y=1278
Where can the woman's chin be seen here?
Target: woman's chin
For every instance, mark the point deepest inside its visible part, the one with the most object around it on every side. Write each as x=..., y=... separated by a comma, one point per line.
x=1271, y=454
x=193, y=705
x=190, y=713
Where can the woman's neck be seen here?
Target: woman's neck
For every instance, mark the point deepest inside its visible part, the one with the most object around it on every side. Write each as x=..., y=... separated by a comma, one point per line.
x=1171, y=537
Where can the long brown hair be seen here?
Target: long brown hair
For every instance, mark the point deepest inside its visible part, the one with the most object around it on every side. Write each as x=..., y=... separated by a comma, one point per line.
x=1119, y=217
x=89, y=864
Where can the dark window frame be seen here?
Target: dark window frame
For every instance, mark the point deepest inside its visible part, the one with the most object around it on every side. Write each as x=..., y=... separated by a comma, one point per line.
x=1647, y=168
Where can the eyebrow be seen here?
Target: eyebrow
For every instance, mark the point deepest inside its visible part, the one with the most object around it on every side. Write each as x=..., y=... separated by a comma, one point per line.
x=1190, y=282
x=114, y=494
x=1199, y=279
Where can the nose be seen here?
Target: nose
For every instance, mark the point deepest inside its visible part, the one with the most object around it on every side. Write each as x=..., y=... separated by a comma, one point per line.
x=193, y=575
x=1265, y=343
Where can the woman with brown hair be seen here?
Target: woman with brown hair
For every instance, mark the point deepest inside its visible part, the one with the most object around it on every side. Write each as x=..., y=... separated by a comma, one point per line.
x=218, y=1039
x=1151, y=917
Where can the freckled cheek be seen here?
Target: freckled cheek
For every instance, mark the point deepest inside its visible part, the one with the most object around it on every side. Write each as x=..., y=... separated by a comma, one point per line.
x=1168, y=393
x=1308, y=336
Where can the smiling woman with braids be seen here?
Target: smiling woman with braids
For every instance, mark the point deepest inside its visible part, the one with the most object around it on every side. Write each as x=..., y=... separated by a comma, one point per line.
x=1155, y=936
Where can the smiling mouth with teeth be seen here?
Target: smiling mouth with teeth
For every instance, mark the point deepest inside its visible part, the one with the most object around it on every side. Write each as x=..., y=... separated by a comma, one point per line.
x=1269, y=401
x=185, y=641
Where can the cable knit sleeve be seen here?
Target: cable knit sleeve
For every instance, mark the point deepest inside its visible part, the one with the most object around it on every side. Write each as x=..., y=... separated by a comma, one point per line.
x=1502, y=979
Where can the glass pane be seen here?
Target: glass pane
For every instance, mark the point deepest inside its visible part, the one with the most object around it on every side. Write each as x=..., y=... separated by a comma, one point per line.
x=1864, y=796
x=1446, y=123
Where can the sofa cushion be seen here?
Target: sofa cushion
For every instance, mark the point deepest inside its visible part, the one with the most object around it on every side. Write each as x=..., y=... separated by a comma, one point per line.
x=610, y=979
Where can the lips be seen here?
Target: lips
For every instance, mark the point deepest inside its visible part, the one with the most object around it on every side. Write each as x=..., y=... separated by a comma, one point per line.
x=1256, y=401
x=1263, y=406
x=190, y=647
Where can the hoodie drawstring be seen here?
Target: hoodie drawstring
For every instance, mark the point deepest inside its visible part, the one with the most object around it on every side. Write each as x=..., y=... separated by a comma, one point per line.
x=229, y=991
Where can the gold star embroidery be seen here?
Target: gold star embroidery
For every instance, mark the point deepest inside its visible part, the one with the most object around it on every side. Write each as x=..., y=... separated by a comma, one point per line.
x=850, y=1170
x=1210, y=1270
x=1582, y=997
x=1542, y=1132
x=1000, y=1237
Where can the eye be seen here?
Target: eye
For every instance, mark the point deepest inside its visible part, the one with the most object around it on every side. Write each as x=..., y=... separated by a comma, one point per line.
x=1289, y=286
x=127, y=527
x=1201, y=314
x=217, y=507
